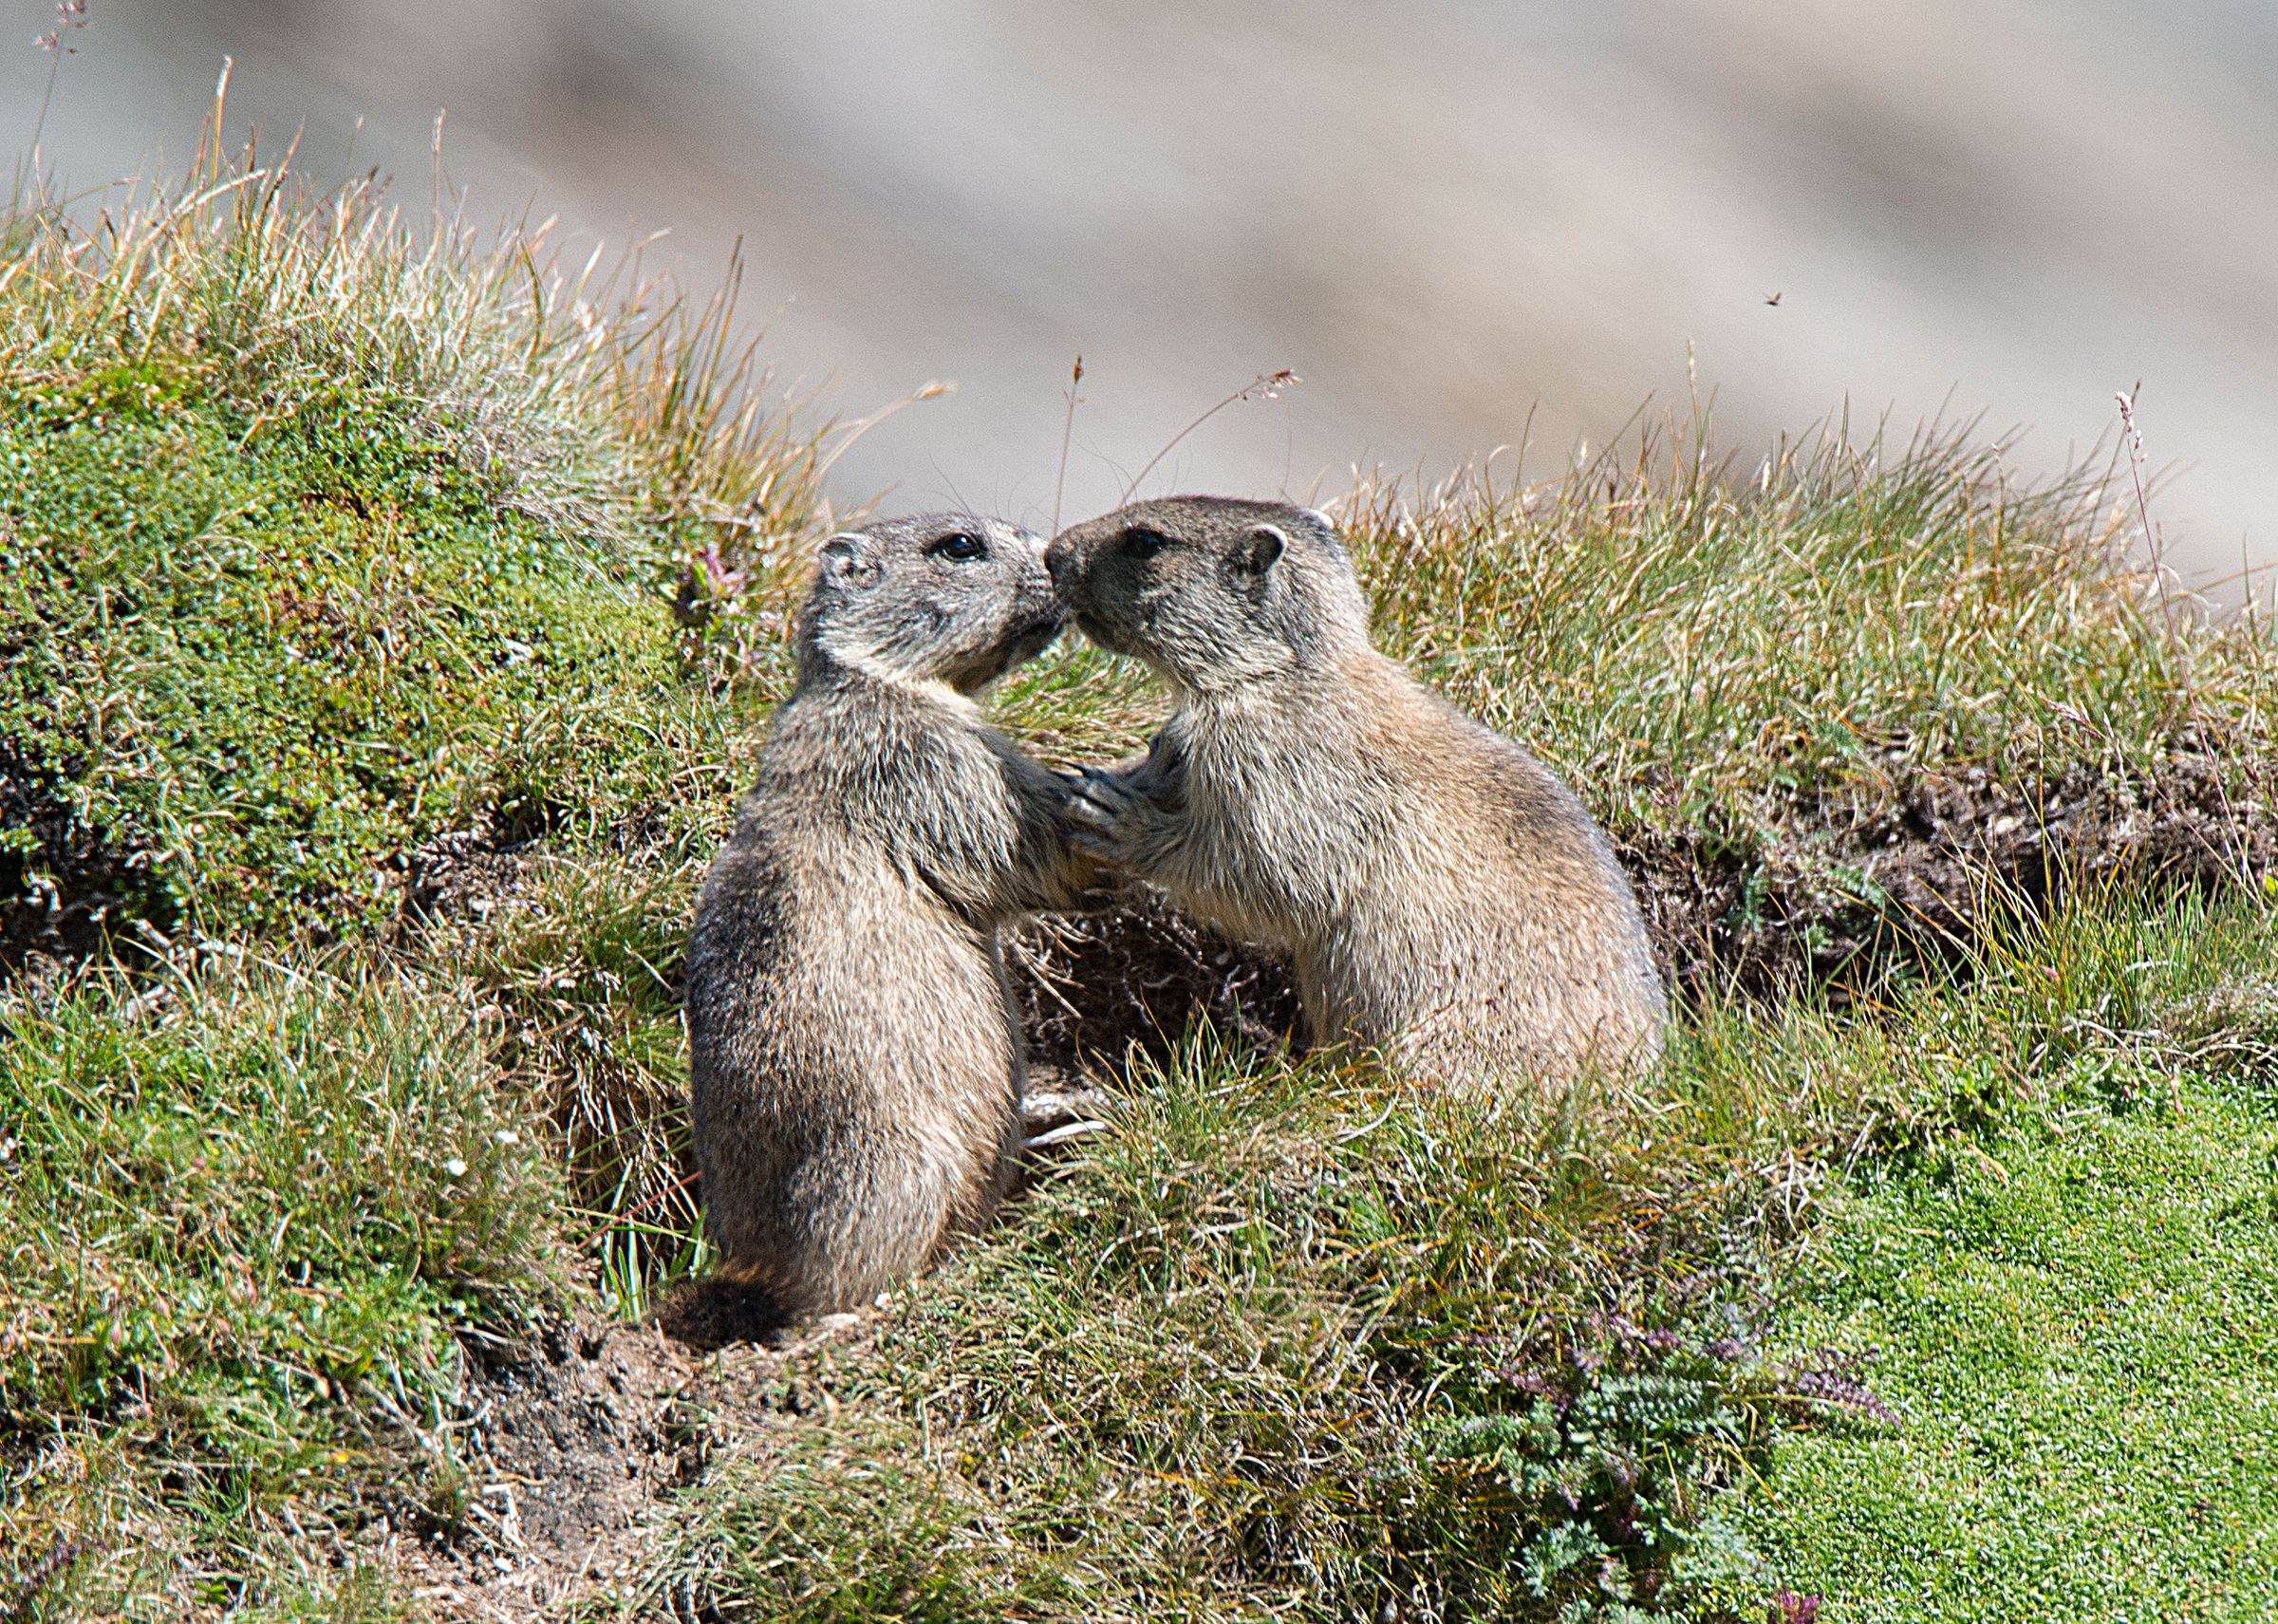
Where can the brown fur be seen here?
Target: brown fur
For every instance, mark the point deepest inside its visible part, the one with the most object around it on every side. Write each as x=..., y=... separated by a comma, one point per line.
x=1444, y=895
x=856, y=1071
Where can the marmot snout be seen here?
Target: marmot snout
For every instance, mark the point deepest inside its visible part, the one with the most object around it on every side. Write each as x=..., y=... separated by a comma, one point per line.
x=855, y=1068
x=1444, y=895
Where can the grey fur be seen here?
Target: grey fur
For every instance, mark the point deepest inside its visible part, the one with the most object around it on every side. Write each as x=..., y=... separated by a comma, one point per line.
x=1444, y=895
x=856, y=1072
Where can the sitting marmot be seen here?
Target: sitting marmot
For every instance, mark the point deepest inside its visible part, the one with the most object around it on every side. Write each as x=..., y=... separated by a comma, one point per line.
x=856, y=1071
x=1444, y=895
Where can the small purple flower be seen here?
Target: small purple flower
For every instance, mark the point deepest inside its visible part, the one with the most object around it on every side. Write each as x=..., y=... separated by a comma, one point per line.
x=1789, y=1608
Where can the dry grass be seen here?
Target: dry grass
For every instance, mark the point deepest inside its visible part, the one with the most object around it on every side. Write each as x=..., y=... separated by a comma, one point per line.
x=604, y=395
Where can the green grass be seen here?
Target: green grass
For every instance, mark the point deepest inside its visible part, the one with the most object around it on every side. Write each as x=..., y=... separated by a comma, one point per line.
x=2077, y=1314
x=261, y=663
x=1701, y=650
x=585, y=963
x=325, y=534
x=246, y=1212
x=1294, y=1343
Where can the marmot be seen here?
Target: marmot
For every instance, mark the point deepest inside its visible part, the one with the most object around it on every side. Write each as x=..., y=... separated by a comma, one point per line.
x=1445, y=897
x=856, y=1068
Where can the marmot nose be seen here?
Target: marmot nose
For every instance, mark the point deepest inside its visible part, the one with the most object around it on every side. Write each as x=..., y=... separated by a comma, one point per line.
x=1061, y=564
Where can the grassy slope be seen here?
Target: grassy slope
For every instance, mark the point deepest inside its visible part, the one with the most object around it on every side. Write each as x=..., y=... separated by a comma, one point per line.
x=1292, y=1341
x=271, y=658
x=2075, y=1300
x=324, y=537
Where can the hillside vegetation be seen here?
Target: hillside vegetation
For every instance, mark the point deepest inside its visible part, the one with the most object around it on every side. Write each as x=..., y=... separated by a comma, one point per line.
x=389, y=619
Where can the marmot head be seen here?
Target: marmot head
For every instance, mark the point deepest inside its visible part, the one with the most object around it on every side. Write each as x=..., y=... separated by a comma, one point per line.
x=950, y=598
x=1213, y=591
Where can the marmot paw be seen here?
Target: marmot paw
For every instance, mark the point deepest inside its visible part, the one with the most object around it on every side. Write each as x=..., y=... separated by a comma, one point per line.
x=1096, y=808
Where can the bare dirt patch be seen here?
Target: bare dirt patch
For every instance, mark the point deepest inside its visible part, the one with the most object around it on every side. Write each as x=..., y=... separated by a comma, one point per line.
x=63, y=890
x=555, y=1451
x=461, y=873
x=1848, y=882
x=562, y=1447
x=1089, y=987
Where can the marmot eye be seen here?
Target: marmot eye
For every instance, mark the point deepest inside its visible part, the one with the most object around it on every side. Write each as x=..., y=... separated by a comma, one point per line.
x=1143, y=543
x=960, y=549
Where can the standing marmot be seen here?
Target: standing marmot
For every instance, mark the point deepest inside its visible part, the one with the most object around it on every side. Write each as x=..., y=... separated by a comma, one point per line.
x=1444, y=896
x=856, y=1072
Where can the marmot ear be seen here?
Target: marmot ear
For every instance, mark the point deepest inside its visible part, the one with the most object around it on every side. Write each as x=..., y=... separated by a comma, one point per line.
x=1260, y=550
x=1329, y=533
x=849, y=557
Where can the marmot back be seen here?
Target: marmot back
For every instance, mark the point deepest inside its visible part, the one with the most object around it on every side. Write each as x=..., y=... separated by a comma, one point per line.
x=856, y=1070
x=1444, y=895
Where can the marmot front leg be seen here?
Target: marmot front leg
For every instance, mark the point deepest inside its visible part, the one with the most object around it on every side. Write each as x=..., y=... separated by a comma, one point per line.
x=1057, y=866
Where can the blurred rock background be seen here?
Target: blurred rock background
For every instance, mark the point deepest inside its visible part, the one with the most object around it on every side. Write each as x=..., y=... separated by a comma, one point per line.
x=1449, y=218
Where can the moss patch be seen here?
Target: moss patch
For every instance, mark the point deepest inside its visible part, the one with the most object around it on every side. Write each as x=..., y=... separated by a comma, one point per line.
x=2078, y=1320
x=257, y=660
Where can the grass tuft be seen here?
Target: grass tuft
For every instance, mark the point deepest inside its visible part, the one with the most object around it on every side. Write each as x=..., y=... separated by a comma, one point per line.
x=1764, y=672
x=1691, y=643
